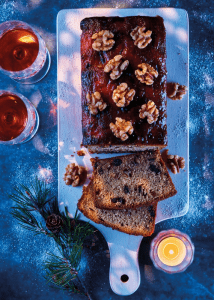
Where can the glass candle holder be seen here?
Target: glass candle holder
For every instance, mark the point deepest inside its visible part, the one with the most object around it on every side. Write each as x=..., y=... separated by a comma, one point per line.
x=23, y=54
x=172, y=251
x=19, y=119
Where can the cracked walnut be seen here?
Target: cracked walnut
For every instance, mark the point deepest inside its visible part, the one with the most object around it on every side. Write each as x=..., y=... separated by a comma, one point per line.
x=75, y=175
x=122, y=95
x=175, y=162
x=146, y=73
x=176, y=91
x=150, y=111
x=103, y=40
x=121, y=128
x=116, y=66
x=141, y=37
x=95, y=102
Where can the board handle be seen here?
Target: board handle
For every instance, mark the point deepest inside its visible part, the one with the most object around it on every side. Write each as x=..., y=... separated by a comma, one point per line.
x=124, y=274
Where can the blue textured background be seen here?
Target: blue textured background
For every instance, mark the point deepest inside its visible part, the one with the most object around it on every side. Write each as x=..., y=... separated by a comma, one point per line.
x=22, y=255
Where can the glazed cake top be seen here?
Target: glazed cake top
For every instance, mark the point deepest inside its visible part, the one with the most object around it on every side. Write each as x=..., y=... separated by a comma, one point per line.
x=96, y=130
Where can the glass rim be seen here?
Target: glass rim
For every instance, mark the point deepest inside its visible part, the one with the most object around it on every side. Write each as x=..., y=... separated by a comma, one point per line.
x=15, y=23
x=22, y=97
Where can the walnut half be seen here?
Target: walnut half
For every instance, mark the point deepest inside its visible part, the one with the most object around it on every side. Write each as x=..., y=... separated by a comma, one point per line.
x=146, y=73
x=121, y=128
x=150, y=111
x=122, y=95
x=141, y=38
x=175, y=163
x=75, y=175
x=95, y=102
x=176, y=91
x=116, y=66
x=103, y=40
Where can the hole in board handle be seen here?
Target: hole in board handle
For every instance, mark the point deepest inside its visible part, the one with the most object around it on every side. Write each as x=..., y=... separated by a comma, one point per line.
x=124, y=278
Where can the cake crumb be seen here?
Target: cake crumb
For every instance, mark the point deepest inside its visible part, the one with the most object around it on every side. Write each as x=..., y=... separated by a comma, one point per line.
x=81, y=153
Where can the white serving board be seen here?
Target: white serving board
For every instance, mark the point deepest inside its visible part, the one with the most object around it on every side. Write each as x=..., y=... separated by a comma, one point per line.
x=123, y=247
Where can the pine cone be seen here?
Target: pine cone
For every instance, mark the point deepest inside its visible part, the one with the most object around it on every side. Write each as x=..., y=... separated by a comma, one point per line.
x=54, y=223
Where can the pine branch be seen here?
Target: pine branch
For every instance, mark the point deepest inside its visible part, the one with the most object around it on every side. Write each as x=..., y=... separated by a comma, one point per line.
x=60, y=272
x=77, y=214
x=51, y=207
x=69, y=234
x=33, y=198
x=81, y=232
x=27, y=220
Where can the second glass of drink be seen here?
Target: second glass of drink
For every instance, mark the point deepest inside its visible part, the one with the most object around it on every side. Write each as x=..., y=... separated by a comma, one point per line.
x=19, y=119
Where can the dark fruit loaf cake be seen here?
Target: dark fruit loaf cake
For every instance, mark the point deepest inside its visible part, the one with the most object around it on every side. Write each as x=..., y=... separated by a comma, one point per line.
x=131, y=181
x=140, y=221
x=123, y=78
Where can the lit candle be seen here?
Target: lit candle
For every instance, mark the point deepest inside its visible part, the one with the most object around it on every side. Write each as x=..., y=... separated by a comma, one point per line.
x=172, y=251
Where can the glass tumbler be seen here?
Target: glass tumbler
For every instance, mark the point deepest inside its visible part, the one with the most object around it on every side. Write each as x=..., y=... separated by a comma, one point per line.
x=19, y=119
x=172, y=251
x=23, y=53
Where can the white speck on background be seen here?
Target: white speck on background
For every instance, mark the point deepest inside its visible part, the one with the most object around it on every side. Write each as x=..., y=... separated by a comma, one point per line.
x=209, y=204
x=35, y=3
x=206, y=125
x=208, y=79
x=45, y=174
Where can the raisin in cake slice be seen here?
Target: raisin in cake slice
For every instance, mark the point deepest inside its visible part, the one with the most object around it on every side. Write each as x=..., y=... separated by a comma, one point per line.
x=140, y=221
x=123, y=56
x=131, y=181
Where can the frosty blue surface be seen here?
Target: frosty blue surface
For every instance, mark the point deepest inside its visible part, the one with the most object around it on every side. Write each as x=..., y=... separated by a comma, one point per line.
x=21, y=268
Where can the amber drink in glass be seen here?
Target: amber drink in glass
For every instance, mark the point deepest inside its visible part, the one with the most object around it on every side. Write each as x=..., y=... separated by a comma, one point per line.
x=23, y=54
x=19, y=119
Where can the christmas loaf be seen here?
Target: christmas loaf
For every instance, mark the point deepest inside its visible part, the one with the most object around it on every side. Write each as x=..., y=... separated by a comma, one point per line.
x=123, y=74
